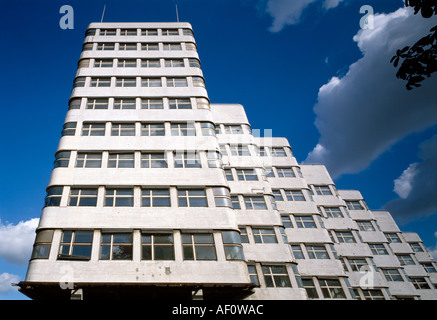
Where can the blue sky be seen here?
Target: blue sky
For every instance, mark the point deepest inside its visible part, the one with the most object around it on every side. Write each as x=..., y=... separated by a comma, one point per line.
x=303, y=68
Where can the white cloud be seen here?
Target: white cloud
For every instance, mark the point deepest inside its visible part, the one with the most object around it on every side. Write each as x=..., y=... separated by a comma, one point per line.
x=5, y=282
x=403, y=184
x=289, y=12
x=16, y=241
x=365, y=112
x=433, y=250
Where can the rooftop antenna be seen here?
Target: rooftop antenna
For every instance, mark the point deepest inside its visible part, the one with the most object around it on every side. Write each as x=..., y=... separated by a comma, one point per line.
x=103, y=13
x=177, y=13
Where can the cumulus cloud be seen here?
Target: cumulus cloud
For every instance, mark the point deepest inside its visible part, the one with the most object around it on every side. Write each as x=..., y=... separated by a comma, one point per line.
x=403, y=184
x=433, y=250
x=365, y=112
x=16, y=241
x=5, y=282
x=289, y=12
x=421, y=198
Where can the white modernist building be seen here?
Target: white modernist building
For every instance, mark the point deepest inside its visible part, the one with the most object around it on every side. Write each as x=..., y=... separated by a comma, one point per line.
x=157, y=193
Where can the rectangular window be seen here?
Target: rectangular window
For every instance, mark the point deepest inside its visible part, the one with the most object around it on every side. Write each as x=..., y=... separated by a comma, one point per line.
x=317, y=252
x=294, y=195
x=149, y=32
x=76, y=245
x=187, y=160
x=406, y=260
x=228, y=175
x=331, y=289
x=235, y=203
x=152, y=104
x=172, y=46
x=305, y=222
x=152, y=129
x=310, y=288
x=153, y=160
x=116, y=246
x=119, y=198
x=177, y=82
x=183, y=129
x=420, y=283
x=392, y=275
x=333, y=212
x=345, y=237
x=121, y=160
x=392, y=237
x=198, y=246
x=253, y=274
x=264, y=235
x=255, y=203
x=97, y=103
x=323, y=190
x=278, y=152
x=128, y=32
x=192, y=198
x=278, y=195
x=378, y=249
x=243, y=235
x=416, y=247
x=123, y=129
x=157, y=246
x=150, y=63
x=53, y=197
x=127, y=63
x=239, y=150
x=174, y=63
x=124, y=103
x=180, y=103
x=286, y=222
x=247, y=175
x=126, y=82
x=354, y=205
x=151, y=82
x=107, y=32
x=93, y=129
x=150, y=46
x=233, y=129
x=285, y=173
x=297, y=251
x=429, y=267
x=373, y=294
x=106, y=46
x=276, y=276
x=170, y=32
x=365, y=225
x=127, y=47
x=103, y=63
x=89, y=160
x=83, y=197
x=155, y=198
x=100, y=82
x=357, y=264
x=43, y=243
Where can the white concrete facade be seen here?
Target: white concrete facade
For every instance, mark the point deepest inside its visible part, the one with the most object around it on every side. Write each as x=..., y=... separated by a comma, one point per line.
x=156, y=189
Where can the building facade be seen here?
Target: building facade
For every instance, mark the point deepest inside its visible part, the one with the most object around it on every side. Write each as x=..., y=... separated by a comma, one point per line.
x=156, y=192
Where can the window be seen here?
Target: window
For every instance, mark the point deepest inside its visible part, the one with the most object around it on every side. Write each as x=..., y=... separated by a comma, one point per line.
x=189, y=46
x=222, y=197
x=297, y=251
x=228, y=174
x=278, y=195
x=149, y=32
x=150, y=63
x=278, y=152
x=253, y=274
x=247, y=175
x=97, y=103
x=373, y=294
x=151, y=82
x=83, y=197
x=155, y=198
x=116, y=246
x=392, y=237
x=235, y=203
x=232, y=245
x=187, y=160
x=170, y=32
x=208, y=129
x=202, y=103
x=264, y=235
x=119, y=198
x=276, y=276
x=100, y=82
x=310, y=288
x=124, y=103
x=174, y=63
x=152, y=104
x=333, y=212
x=429, y=267
x=126, y=82
x=255, y=203
x=420, y=283
x=157, y=246
x=127, y=47
x=149, y=46
x=103, y=63
x=128, y=32
x=107, y=32
x=243, y=235
x=365, y=225
x=127, y=63
x=74, y=104
x=357, y=264
x=62, y=159
x=172, y=46
x=93, y=129
x=286, y=222
x=188, y=32
x=354, y=205
x=239, y=150
x=87, y=47
x=121, y=160
x=106, y=46
x=179, y=103
x=317, y=252
x=76, y=245
x=177, y=82
x=285, y=173
x=89, y=160
x=198, y=246
x=153, y=160
x=392, y=275
x=152, y=129
x=323, y=190
x=416, y=247
x=345, y=237
x=43, y=242
x=233, y=129
x=123, y=129
x=405, y=260
x=305, y=222
x=294, y=195
x=79, y=82
x=198, y=82
x=90, y=32
x=84, y=63
x=53, y=197
x=331, y=289
x=194, y=63
x=378, y=248
x=192, y=198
